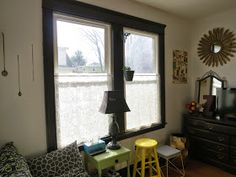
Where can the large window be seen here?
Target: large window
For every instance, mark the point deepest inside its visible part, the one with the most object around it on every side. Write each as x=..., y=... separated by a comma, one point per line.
x=142, y=93
x=81, y=76
x=85, y=50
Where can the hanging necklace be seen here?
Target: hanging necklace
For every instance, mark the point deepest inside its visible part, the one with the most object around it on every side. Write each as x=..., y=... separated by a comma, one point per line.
x=4, y=72
x=19, y=83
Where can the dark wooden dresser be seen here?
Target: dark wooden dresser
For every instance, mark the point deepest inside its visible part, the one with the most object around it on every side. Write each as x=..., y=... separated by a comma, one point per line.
x=212, y=141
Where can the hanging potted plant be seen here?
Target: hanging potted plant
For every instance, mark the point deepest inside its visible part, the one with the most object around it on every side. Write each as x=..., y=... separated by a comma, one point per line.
x=128, y=73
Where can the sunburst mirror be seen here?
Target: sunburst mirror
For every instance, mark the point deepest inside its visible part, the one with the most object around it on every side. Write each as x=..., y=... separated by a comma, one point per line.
x=217, y=47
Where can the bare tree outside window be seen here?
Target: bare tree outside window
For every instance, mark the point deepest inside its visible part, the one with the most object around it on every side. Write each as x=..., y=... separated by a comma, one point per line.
x=95, y=37
x=78, y=59
x=81, y=47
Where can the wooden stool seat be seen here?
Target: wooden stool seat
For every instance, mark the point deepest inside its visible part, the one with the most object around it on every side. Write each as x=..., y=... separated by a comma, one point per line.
x=145, y=142
x=146, y=149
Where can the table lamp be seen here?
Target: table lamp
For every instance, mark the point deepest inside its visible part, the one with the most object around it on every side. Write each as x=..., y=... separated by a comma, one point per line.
x=113, y=102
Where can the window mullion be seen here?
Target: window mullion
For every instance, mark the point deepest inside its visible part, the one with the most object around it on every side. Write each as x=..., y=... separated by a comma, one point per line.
x=48, y=52
x=118, y=62
x=161, y=67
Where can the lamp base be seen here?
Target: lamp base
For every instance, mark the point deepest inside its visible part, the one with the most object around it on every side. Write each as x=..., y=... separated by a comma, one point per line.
x=113, y=146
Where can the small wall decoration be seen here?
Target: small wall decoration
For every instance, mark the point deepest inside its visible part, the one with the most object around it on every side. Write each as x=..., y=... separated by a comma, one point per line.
x=217, y=47
x=180, y=65
x=32, y=57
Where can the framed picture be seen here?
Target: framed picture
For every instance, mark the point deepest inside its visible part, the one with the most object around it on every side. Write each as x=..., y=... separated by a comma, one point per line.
x=180, y=66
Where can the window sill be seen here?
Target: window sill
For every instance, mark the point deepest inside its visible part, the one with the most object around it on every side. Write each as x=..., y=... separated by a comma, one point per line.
x=130, y=134
x=141, y=131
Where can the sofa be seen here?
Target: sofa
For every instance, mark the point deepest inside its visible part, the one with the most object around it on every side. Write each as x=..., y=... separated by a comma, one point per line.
x=66, y=162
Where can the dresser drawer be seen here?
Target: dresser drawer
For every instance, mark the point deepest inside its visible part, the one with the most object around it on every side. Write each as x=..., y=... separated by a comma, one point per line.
x=215, y=127
x=217, y=137
x=233, y=160
x=222, y=157
x=220, y=128
x=233, y=156
x=233, y=151
x=196, y=123
x=233, y=141
x=199, y=142
x=214, y=146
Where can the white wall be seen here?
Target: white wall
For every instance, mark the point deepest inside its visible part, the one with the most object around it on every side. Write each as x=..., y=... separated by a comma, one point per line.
x=201, y=27
x=22, y=119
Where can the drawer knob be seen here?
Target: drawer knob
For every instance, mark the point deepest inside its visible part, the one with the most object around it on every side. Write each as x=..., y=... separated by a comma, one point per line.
x=210, y=127
x=220, y=148
x=116, y=161
x=220, y=138
x=220, y=157
x=191, y=131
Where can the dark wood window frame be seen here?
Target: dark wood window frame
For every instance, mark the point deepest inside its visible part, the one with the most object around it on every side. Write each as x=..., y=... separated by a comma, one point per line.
x=117, y=21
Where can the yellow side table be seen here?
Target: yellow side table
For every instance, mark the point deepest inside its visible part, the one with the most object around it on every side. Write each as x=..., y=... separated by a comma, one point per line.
x=110, y=158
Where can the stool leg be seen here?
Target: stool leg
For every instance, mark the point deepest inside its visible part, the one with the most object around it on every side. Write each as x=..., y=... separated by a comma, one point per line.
x=135, y=162
x=143, y=163
x=182, y=164
x=157, y=162
x=150, y=161
x=167, y=168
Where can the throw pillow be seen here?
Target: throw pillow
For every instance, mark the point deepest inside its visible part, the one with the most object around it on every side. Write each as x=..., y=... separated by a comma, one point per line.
x=57, y=162
x=11, y=163
x=8, y=147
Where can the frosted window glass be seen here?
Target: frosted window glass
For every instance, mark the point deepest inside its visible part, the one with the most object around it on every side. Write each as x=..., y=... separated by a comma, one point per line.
x=142, y=94
x=77, y=105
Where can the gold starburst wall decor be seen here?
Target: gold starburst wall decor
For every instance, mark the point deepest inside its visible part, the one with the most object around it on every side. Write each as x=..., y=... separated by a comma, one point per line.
x=217, y=47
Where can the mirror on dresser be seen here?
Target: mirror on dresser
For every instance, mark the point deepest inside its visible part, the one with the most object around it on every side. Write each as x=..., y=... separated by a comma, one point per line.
x=207, y=85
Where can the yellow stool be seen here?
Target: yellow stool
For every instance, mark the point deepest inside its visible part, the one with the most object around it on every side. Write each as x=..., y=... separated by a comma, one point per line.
x=146, y=147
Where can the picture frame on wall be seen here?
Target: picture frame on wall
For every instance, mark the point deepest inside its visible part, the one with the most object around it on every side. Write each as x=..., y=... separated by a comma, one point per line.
x=180, y=66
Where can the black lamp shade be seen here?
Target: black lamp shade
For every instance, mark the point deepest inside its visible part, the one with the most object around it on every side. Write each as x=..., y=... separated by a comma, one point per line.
x=113, y=102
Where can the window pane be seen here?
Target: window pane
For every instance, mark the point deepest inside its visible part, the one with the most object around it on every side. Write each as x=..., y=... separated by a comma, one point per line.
x=80, y=48
x=139, y=52
x=143, y=100
x=142, y=94
x=81, y=77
